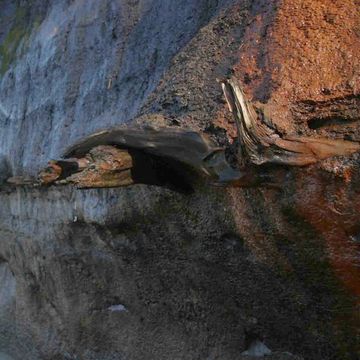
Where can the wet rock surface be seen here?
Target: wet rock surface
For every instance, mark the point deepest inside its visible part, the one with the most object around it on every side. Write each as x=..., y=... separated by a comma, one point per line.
x=149, y=273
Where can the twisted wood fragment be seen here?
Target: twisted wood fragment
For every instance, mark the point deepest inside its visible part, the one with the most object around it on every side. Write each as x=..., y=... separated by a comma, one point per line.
x=260, y=143
x=126, y=156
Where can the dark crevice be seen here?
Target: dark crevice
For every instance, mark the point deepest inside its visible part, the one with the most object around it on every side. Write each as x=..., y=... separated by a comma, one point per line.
x=161, y=171
x=68, y=168
x=329, y=121
x=334, y=111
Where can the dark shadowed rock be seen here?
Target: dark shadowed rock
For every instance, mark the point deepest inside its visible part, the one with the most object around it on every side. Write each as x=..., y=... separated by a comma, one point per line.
x=5, y=171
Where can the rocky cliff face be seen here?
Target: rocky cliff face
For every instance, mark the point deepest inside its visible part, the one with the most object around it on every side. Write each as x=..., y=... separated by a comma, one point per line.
x=147, y=273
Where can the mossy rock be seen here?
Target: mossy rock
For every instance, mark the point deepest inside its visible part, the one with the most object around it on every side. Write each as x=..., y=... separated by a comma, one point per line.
x=17, y=37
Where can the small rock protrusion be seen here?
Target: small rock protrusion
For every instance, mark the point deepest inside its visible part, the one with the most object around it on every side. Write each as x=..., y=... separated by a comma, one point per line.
x=257, y=349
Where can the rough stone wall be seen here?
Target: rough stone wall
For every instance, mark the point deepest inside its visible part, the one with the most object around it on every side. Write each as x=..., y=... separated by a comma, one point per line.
x=301, y=60
x=77, y=66
x=146, y=273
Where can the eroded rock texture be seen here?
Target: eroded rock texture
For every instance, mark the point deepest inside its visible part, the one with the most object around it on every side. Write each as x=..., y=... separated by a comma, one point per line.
x=149, y=273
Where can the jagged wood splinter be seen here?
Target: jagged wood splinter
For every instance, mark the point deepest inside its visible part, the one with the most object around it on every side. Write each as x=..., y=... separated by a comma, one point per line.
x=260, y=143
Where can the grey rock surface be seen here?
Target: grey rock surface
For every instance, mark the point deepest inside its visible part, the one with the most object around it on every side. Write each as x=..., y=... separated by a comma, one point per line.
x=76, y=254
x=5, y=357
x=86, y=65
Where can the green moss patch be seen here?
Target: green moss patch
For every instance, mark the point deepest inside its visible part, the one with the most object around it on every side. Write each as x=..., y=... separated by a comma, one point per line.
x=17, y=36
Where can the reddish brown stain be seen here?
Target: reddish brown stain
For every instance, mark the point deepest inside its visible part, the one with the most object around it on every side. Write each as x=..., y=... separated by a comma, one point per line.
x=332, y=209
x=307, y=52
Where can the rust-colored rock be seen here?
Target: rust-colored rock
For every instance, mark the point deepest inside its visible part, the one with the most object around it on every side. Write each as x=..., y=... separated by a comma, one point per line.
x=301, y=58
x=299, y=61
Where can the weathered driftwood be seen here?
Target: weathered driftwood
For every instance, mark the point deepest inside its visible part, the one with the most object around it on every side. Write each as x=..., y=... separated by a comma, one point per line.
x=180, y=148
x=260, y=143
x=139, y=155
x=103, y=166
x=187, y=147
x=129, y=155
